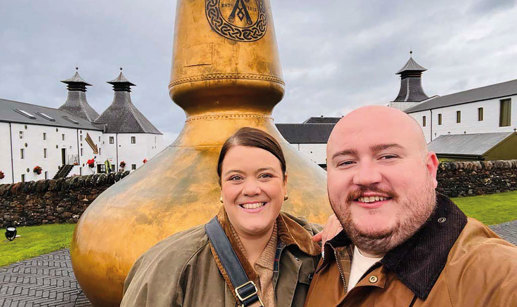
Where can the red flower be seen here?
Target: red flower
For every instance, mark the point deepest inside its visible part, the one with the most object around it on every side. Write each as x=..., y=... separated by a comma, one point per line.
x=2, y=175
x=122, y=164
x=37, y=169
x=91, y=162
x=145, y=161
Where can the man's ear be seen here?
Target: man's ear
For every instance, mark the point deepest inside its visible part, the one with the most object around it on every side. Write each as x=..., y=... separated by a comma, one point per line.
x=432, y=166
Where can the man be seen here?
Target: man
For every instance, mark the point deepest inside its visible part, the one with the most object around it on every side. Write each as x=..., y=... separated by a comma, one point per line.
x=403, y=244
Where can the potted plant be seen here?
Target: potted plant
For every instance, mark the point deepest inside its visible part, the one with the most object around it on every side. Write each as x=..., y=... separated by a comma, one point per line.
x=122, y=164
x=2, y=175
x=145, y=161
x=91, y=163
x=37, y=170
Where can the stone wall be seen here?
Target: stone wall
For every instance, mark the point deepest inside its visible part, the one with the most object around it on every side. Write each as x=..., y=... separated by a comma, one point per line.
x=477, y=177
x=64, y=200
x=51, y=201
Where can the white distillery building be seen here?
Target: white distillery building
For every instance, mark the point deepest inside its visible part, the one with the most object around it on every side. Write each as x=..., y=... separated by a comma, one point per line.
x=39, y=142
x=472, y=124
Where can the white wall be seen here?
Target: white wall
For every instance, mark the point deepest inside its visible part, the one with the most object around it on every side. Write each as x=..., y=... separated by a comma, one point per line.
x=5, y=153
x=469, y=119
x=317, y=153
x=30, y=139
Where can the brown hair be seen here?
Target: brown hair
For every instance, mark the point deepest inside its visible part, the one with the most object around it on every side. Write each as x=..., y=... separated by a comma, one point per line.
x=252, y=137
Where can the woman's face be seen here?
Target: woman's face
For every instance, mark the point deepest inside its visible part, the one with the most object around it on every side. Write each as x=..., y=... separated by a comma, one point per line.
x=253, y=189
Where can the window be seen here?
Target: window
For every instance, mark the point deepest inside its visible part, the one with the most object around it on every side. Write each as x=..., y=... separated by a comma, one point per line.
x=46, y=116
x=112, y=140
x=81, y=151
x=133, y=140
x=133, y=166
x=44, y=136
x=46, y=175
x=458, y=117
x=505, y=113
x=22, y=156
x=480, y=114
x=23, y=177
x=63, y=136
x=81, y=138
x=21, y=135
x=423, y=121
x=99, y=138
x=100, y=151
x=44, y=153
x=439, y=118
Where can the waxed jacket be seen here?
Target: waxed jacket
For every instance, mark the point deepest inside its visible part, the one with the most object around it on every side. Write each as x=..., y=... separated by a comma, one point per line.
x=451, y=261
x=183, y=270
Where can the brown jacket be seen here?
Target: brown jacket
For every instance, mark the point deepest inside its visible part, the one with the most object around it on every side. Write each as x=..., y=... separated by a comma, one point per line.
x=183, y=271
x=451, y=261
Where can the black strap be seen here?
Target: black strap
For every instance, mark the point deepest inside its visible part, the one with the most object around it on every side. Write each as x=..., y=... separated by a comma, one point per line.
x=245, y=289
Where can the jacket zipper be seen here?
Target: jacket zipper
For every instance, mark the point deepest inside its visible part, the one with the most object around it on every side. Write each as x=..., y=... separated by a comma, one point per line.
x=339, y=268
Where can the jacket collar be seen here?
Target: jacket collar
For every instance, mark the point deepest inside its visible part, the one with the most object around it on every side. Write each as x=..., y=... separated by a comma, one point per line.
x=289, y=232
x=419, y=260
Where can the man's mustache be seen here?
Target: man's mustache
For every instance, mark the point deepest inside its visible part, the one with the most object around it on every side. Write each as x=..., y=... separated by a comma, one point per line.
x=358, y=192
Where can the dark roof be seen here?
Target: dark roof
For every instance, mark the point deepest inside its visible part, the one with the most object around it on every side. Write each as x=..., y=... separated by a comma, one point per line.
x=322, y=120
x=122, y=116
x=25, y=113
x=467, y=144
x=498, y=90
x=411, y=65
x=305, y=133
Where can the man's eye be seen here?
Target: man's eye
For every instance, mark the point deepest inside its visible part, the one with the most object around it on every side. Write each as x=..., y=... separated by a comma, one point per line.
x=387, y=157
x=345, y=163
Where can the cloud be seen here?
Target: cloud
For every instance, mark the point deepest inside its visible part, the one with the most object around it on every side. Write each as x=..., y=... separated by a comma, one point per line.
x=335, y=55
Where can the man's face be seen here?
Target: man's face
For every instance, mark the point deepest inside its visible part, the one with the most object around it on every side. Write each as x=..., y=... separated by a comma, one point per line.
x=381, y=179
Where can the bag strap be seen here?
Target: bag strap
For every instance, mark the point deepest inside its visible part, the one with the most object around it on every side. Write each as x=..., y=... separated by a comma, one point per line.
x=245, y=289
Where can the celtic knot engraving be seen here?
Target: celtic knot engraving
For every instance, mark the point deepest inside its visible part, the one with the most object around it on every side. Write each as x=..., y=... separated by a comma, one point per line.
x=224, y=28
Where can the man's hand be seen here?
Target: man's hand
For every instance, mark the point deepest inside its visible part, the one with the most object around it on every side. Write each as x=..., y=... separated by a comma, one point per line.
x=330, y=230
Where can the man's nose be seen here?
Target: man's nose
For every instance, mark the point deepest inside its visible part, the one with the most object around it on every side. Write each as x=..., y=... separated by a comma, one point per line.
x=367, y=173
x=251, y=188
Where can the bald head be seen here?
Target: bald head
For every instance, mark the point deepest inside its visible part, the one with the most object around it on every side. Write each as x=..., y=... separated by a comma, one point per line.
x=380, y=177
x=382, y=122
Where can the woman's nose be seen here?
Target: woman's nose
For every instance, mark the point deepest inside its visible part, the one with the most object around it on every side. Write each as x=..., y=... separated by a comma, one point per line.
x=251, y=188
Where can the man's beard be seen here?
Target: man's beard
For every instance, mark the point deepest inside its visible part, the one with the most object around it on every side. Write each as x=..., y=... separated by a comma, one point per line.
x=417, y=210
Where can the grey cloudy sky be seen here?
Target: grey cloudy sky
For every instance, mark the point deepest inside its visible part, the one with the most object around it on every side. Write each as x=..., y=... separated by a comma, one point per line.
x=336, y=55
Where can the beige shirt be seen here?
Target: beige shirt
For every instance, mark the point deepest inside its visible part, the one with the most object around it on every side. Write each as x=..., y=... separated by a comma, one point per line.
x=360, y=264
x=264, y=266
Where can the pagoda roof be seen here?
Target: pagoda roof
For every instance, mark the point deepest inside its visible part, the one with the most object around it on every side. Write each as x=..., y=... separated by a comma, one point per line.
x=411, y=65
x=76, y=78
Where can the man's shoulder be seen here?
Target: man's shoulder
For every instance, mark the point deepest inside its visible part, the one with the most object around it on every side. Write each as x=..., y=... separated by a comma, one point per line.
x=478, y=248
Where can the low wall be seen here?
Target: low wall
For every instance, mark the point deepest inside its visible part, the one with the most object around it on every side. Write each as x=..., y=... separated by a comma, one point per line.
x=64, y=200
x=477, y=177
x=51, y=201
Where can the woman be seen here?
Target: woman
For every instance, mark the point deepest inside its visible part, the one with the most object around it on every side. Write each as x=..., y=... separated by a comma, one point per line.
x=274, y=248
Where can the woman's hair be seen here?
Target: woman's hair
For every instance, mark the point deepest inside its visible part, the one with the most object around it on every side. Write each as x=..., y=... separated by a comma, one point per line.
x=252, y=137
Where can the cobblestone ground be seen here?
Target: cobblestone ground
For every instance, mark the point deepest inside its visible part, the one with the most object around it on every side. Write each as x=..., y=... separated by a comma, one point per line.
x=46, y=280
x=49, y=280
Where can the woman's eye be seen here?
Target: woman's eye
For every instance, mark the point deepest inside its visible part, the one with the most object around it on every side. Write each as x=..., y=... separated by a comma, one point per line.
x=265, y=175
x=235, y=178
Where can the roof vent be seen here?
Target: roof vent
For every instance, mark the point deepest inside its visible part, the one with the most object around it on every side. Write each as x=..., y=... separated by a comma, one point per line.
x=25, y=113
x=73, y=121
x=46, y=116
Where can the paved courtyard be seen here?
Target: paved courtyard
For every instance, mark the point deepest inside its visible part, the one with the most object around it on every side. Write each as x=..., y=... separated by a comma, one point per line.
x=49, y=280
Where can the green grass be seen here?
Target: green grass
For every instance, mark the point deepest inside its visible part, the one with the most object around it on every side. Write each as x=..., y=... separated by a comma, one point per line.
x=490, y=209
x=35, y=241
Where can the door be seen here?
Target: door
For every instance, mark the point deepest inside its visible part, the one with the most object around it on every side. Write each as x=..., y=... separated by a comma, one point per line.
x=63, y=156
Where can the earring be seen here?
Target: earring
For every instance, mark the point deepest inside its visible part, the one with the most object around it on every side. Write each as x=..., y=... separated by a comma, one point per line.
x=221, y=199
x=286, y=197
